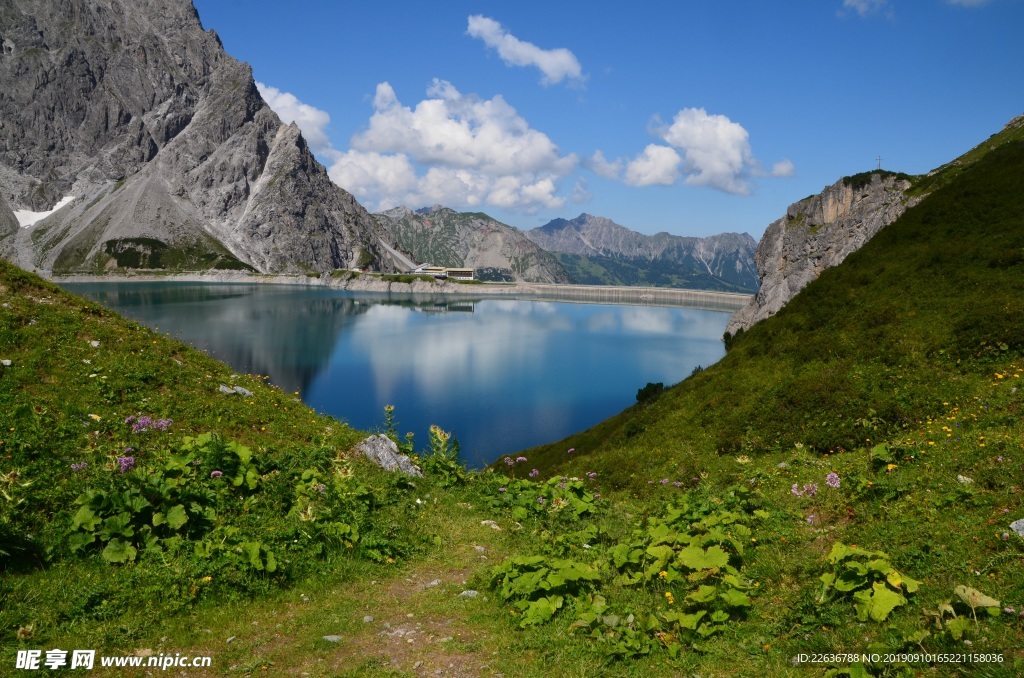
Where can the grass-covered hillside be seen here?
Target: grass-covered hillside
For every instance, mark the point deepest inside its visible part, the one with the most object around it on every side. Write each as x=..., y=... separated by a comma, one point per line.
x=846, y=480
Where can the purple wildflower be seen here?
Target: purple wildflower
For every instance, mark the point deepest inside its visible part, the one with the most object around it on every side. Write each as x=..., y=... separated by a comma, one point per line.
x=677, y=483
x=795, y=490
x=597, y=496
x=571, y=450
x=509, y=461
x=541, y=500
x=126, y=463
x=1008, y=610
x=162, y=424
x=502, y=489
x=811, y=489
x=591, y=474
x=129, y=420
x=319, y=487
x=216, y=474
x=79, y=466
x=534, y=473
x=832, y=479
x=811, y=518
x=664, y=481
x=519, y=460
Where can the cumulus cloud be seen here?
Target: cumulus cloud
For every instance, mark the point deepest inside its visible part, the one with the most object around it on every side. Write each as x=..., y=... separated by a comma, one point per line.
x=479, y=152
x=716, y=150
x=602, y=167
x=657, y=165
x=702, y=149
x=555, y=64
x=312, y=121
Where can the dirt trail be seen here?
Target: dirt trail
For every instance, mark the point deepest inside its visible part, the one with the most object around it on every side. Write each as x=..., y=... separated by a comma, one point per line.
x=415, y=623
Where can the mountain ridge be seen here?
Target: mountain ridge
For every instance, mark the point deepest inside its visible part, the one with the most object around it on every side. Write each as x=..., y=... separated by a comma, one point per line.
x=444, y=237
x=724, y=260
x=173, y=157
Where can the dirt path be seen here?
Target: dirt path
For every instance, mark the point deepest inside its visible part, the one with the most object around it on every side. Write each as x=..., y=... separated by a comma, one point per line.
x=425, y=620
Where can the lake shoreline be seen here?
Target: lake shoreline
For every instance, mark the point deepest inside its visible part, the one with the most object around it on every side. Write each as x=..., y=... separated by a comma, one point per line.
x=595, y=294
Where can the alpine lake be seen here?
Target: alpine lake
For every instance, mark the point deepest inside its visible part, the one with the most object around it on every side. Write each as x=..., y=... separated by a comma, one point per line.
x=501, y=374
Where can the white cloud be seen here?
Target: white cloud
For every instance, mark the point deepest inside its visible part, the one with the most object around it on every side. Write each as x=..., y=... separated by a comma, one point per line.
x=783, y=168
x=555, y=64
x=367, y=174
x=602, y=167
x=864, y=7
x=703, y=149
x=715, y=149
x=312, y=121
x=656, y=165
x=479, y=152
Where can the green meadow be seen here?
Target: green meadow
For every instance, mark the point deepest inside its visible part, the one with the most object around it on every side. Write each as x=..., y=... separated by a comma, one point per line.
x=840, y=485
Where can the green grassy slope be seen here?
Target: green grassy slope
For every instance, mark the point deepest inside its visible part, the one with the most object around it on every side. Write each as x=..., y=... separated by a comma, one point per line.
x=865, y=351
x=132, y=488
x=708, y=531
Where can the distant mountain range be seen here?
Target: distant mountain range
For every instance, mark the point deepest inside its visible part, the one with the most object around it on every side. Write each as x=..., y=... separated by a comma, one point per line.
x=443, y=237
x=598, y=251
x=587, y=250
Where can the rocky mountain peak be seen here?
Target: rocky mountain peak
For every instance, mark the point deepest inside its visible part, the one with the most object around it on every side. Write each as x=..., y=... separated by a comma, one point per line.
x=136, y=111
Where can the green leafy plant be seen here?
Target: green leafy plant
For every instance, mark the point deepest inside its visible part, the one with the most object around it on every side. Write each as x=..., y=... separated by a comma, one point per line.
x=691, y=550
x=144, y=511
x=442, y=460
x=537, y=586
x=621, y=636
x=876, y=586
x=556, y=501
x=234, y=460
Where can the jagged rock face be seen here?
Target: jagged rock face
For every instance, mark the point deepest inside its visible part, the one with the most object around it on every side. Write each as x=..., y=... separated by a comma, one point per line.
x=817, y=233
x=444, y=237
x=163, y=139
x=8, y=223
x=726, y=256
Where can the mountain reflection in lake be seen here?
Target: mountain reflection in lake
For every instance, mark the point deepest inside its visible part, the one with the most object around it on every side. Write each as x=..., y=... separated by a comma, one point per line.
x=502, y=374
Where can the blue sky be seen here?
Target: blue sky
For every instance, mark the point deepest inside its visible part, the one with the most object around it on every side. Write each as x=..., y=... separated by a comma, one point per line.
x=688, y=117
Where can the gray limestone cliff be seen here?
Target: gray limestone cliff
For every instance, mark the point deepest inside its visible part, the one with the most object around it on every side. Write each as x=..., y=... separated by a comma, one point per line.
x=172, y=157
x=820, y=232
x=499, y=253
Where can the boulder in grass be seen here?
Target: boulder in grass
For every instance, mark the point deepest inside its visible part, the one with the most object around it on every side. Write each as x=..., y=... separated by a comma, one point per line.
x=383, y=452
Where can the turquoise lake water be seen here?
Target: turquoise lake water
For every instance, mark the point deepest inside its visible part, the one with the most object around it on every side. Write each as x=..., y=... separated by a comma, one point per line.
x=501, y=374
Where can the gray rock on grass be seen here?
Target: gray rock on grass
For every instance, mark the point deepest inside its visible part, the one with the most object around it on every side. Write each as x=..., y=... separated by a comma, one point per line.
x=233, y=390
x=383, y=452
